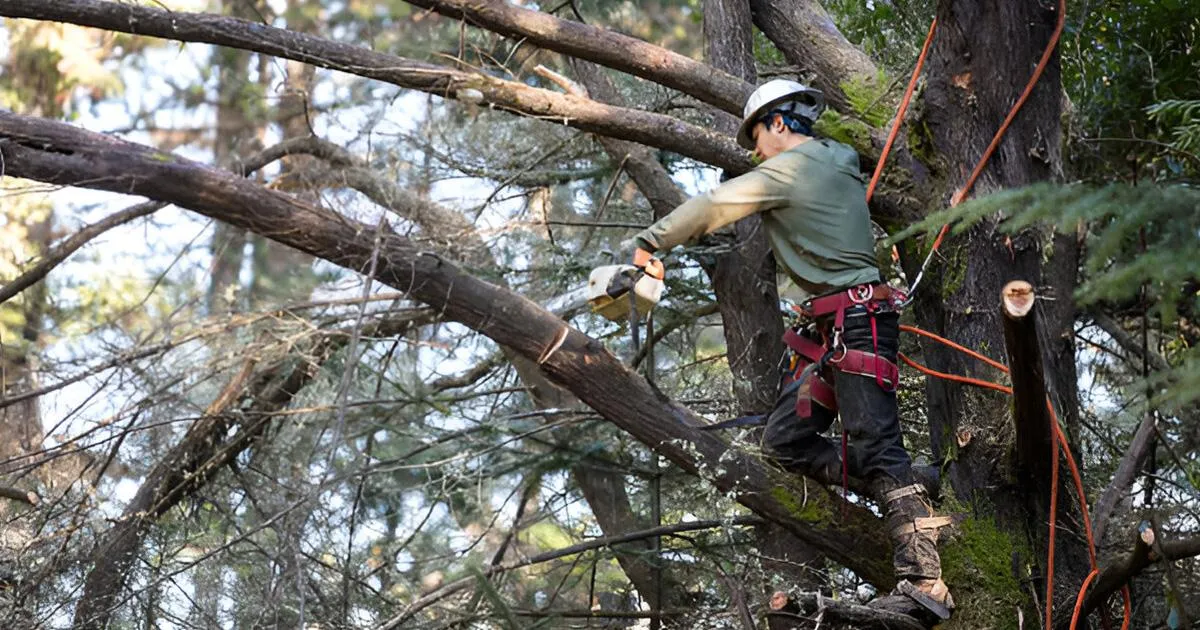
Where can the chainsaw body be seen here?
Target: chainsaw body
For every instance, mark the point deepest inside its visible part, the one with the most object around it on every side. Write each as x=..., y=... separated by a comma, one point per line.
x=609, y=288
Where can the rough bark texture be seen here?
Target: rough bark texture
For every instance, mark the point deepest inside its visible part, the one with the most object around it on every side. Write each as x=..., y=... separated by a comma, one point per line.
x=726, y=90
x=979, y=63
x=55, y=153
x=981, y=60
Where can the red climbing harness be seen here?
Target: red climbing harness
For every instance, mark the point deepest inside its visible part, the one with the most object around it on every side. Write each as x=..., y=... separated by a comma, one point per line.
x=831, y=353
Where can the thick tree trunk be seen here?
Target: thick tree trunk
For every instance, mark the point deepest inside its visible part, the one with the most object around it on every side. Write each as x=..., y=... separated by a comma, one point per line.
x=806, y=35
x=277, y=271
x=982, y=58
x=744, y=281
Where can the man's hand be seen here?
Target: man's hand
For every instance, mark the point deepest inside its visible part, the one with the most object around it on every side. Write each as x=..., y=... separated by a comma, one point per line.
x=648, y=263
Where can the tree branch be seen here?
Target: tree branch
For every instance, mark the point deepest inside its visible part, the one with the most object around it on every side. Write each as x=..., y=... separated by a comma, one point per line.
x=627, y=124
x=60, y=154
x=602, y=46
x=807, y=36
x=205, y=448
x=1130, y=345
x=1127, y=470
x=599, y=543
x=1123, y=569
x=28, y=497
x=64, y=249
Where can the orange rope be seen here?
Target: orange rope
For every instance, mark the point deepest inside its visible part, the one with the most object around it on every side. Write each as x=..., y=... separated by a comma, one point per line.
x=1079, y=599
x=912, y=84
x=1057, y=439
x=954, y=377
x=1012, y=113
x=1053, y=518
x=925, y=333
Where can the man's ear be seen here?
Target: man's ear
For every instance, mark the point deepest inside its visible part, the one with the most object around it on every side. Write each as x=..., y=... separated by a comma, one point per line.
x=777, y=124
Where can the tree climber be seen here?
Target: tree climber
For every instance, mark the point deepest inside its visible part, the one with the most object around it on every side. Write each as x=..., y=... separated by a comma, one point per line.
x=812, y=198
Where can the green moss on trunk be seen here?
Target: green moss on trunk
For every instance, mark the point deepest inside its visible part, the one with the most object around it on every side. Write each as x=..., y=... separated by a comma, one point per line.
x=980, y=565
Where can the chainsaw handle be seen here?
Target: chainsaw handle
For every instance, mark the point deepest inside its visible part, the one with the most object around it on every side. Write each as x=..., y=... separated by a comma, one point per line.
x=649, y=265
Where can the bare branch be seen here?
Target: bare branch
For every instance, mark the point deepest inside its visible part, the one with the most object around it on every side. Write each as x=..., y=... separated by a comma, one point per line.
x=598, y=543
x=61, y=251
x=57, y=153
x=808, y=37
x=28, y=497
x=1125, y=568
x=602, y=46
x=627, y=124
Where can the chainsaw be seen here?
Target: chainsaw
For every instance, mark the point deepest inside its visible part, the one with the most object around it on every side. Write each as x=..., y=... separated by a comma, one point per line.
x=609, y=288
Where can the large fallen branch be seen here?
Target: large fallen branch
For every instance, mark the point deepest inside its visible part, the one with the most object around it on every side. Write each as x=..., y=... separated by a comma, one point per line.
x=636, y=125
x=56, y=153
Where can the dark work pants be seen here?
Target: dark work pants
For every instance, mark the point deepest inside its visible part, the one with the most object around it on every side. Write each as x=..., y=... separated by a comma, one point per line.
x=869, y=415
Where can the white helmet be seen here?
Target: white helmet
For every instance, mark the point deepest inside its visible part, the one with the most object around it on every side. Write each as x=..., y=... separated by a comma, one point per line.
x=780, y=94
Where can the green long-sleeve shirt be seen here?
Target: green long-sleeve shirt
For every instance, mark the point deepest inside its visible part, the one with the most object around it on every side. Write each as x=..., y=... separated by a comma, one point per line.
x=814, y=210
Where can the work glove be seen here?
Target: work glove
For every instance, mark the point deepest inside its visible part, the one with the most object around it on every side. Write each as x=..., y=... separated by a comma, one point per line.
x=646, y=261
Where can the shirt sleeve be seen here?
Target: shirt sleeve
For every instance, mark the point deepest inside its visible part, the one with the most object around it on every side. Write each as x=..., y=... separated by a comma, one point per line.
x=764, y=188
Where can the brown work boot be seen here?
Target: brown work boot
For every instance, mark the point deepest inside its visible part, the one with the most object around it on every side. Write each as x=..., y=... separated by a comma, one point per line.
x=914, y=533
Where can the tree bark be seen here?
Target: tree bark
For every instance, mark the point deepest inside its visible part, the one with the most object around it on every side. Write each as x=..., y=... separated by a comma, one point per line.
x=807, y=36
x=981, y=60
x=56, y=153
x=901, y=198
x=1031, y=418
x=451, y=235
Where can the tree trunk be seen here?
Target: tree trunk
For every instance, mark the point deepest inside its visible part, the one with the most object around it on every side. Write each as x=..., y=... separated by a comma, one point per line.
x=277, y=271
x=981, y=60
x=236, y=134
x=744, y=278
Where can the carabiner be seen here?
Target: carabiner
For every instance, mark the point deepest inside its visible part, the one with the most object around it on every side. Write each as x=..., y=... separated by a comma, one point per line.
x=837, y=349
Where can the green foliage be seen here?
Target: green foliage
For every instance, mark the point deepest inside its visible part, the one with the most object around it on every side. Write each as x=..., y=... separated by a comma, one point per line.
x=890, y=32
x=1134, y=237
x=1120, y=59
x=1183, y=117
